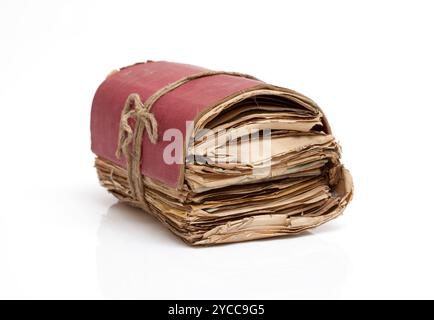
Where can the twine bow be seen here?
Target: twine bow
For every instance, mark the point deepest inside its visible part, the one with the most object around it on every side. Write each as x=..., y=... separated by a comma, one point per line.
x=135, y=109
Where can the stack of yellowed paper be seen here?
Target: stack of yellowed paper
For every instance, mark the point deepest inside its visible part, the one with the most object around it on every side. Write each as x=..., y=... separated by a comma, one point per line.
x=260, y=164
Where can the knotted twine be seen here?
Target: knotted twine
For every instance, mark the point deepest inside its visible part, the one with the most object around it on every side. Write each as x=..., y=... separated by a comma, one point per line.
x=130, y=140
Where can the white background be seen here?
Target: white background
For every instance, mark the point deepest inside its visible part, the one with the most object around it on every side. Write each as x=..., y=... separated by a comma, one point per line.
x=368, y=64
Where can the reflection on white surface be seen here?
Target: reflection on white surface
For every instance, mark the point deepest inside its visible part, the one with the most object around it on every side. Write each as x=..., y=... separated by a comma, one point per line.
x=137, y=257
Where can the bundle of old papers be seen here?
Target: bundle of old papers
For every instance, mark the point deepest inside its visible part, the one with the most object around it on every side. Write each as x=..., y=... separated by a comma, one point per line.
x=260, y=163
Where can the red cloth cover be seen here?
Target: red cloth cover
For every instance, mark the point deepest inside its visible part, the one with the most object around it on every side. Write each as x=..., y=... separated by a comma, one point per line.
x=171, y=111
